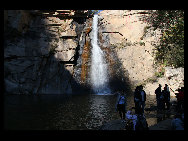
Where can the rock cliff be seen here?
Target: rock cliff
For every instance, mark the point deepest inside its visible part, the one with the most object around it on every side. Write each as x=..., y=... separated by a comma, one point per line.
x=42, y=49
x=48, y=51
x=134, y=43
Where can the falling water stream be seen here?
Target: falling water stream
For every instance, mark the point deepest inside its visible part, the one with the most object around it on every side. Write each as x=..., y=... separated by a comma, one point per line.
x=99, y=74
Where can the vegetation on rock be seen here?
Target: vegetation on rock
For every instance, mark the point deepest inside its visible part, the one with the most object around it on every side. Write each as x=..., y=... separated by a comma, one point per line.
x=170, y=51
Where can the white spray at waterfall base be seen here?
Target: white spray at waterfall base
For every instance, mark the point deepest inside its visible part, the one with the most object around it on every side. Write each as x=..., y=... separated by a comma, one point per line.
x=99, y=73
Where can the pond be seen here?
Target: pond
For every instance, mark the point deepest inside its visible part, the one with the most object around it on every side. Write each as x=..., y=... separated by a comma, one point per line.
x=66, y=112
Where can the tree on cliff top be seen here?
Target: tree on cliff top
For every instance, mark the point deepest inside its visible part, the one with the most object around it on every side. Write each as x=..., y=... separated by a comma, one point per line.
x=171, y=49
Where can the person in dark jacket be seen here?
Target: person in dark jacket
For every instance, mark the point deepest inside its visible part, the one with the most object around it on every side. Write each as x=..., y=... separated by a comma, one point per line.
x=180, y=99
x=137, y=98
x=166, y=93
x=158, y=93
x=143, y=98
x=161, y=101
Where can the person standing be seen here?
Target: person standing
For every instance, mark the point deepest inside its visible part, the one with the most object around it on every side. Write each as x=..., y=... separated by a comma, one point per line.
x=158, y=93
x=166, y=93
x=120, y=105
x=161, y=101
x=137, y=98
x=180, y=99
x=143, y=98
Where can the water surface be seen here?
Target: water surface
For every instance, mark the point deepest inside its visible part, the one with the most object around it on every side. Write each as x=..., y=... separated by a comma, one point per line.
x=65, y=112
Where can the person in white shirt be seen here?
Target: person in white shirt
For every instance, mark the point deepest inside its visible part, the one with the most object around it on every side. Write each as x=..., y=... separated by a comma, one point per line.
x=120, y=105
x=132, y=117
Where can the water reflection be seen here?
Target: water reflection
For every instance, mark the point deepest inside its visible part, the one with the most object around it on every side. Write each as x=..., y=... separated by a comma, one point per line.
x=57, y=112
x=99, y=109
x=85, y=112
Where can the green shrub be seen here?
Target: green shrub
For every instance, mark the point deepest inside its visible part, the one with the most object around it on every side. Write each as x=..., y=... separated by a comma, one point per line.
x=171, y=47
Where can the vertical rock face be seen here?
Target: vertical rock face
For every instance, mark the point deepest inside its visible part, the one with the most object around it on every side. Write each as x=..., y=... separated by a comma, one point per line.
x=130, y=45
x=48, y=52
x=125, y=31
x=41, y=50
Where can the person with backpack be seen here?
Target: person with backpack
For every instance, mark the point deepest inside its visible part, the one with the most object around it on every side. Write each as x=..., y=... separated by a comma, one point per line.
x=120, y=105
x=158, y=93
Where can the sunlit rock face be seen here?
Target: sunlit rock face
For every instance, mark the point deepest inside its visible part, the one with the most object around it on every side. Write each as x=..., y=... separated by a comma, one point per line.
x=126, y=32
x=41, y=51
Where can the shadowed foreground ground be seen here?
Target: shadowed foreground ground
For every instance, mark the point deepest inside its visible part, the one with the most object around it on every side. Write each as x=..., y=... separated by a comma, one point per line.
x=164, y=119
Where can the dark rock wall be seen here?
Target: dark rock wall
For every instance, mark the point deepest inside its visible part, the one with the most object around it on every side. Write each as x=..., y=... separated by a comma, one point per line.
x=42, y=53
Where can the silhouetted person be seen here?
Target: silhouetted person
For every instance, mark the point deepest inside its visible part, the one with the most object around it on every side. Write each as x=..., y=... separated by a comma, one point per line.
x=161, y=101
x=143, y=98
x=166, y=93
x=137, y=99
x=120, y=105
x=158, y=93
x=180, y=99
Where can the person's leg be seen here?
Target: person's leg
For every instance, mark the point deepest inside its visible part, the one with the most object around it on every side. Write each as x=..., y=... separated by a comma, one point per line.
x=120, y=114
x=158, y=104
x=142, y=106
x=168, y=105
x=163, y=105
x=120, y=111
x=123, y=111
x=178, y=105
x=136, y=107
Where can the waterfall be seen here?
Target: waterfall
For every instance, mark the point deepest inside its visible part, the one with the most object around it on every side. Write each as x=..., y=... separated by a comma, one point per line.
x=99, y=71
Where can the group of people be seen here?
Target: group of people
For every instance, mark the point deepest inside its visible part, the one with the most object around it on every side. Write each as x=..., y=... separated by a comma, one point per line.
x=163, y=97
x=163, y=102
x=139, y=99
x=138, y=119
